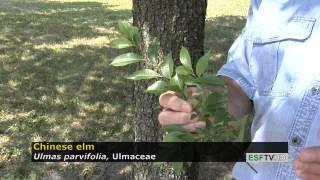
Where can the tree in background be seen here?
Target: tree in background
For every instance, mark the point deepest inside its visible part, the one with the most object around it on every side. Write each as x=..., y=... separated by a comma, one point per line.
x=174, y=23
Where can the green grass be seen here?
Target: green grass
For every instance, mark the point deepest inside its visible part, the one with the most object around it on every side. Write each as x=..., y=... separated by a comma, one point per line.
x=56, y=83
x=218, y=8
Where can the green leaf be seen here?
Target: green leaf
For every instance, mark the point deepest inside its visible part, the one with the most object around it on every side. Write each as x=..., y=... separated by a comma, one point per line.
x=121, y=43
x=125, y=59
x=170, y=128
x=158, y=87
x=202, y=64
x=124, y=28
x=134, y=35
x=177, y=167
x=174, y=88
x=187, y=79
x=212, y=103
x=137, y=39
x=215, y=98
x=242, y=128
x=144, y=74
x=153, y=51
x=178, y=134
x=172, y=137
x=209, y=80
x=167, y=66
x=177, y=81
x=185, y=59
x=132, y=32
x=181, y=70
x=187, y=137
x=221, y=115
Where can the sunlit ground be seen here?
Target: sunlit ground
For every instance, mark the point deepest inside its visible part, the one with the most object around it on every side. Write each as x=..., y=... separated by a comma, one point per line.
x=56, y=83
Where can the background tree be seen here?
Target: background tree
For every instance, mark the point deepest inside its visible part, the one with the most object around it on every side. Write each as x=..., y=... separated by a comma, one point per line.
x=174, y=23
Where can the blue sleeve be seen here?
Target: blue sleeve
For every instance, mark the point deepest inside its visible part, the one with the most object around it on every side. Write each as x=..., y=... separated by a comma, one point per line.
x=237, y=66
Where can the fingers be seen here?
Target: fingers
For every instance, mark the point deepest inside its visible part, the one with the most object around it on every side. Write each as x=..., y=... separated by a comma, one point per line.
x=180, y=118
x=303, y=168
x=180, y=111
x=309, y=177
x=308, y=163
x=171, y=101
x=311, y=154
x=192, y=127
x=192, y=91
x=171, y=118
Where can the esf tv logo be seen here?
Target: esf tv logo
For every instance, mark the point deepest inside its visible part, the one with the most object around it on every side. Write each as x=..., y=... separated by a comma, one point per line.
x=266, y=157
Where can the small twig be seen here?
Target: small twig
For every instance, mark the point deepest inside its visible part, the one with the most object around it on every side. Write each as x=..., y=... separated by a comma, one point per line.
x=252, y=167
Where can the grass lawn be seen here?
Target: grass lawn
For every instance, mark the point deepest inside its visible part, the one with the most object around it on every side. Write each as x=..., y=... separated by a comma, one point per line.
x=56, y=83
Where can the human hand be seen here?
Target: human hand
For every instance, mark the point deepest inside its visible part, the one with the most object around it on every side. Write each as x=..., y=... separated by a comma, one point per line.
x=178, y=111
x=308, y=164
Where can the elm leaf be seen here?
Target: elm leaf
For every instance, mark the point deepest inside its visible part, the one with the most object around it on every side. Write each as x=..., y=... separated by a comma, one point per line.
x=132, y=33
x=202, y=64
x=242, y=128
x=123, y=27
x=172, y=137
x=177, y=81
x=126, y=59
x=185, y=59
x=173, y=128
x=167, y=66
x=121, y=43
x=182, y=70
x=209, y=80
x=158, y=87
x=144, y=74
x=153, y=51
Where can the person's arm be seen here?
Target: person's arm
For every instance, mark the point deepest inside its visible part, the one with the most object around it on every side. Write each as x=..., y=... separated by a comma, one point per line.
x=238, y=103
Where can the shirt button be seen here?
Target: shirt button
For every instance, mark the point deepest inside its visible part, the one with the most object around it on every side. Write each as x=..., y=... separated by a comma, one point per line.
x=296, y=140
x=315, y=90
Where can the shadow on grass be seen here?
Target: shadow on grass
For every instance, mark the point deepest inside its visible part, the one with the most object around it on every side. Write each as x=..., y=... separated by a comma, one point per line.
x=56, y=83
x=220, y=34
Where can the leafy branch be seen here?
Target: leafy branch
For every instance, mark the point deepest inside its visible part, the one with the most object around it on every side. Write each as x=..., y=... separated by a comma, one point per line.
x=208, y=106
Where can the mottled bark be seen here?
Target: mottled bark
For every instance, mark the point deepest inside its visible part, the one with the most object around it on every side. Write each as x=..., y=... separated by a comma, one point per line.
x=174, y=23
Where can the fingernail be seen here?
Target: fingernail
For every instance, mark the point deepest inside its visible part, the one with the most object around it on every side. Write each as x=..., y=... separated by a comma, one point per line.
x=200, y=124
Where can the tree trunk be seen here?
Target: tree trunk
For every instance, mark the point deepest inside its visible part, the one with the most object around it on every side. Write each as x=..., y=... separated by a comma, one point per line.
x=174, y=23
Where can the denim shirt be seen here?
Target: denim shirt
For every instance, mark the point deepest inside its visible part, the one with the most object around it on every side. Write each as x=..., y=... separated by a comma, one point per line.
x=276, y=61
